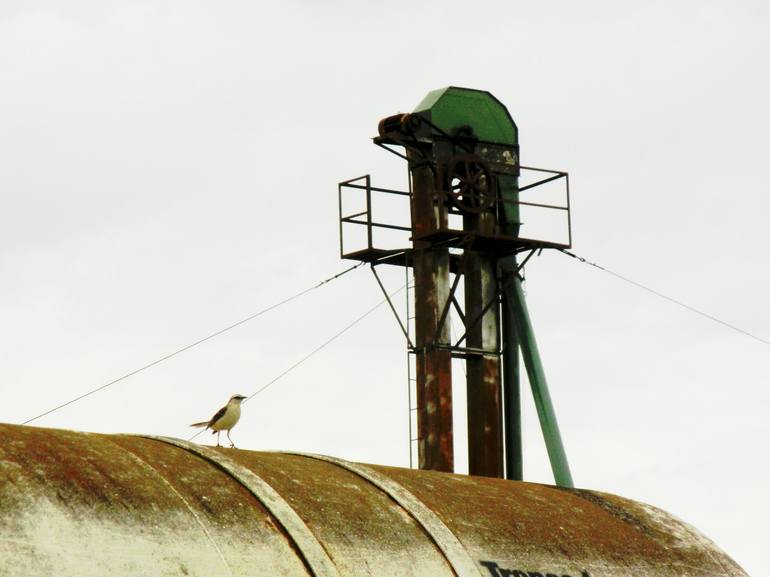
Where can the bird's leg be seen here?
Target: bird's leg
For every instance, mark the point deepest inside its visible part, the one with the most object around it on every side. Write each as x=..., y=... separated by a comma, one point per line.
x=229, y=439
x=218, y=445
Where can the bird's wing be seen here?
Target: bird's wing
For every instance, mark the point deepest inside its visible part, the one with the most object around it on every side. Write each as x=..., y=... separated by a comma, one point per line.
x=219, y=414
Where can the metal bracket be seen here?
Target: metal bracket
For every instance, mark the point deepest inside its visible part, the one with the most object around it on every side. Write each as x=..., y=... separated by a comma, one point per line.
x=392, y=308
x=408, y=145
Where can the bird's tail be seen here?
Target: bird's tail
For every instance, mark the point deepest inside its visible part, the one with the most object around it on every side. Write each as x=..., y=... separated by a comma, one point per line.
x=201, y=424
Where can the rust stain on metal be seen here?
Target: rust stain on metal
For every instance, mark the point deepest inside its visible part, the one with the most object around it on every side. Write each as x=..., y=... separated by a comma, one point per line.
x=87, y=504
x=483, y=374
x=79, y=504
x=356, y=522
x=454, y=552
x=511, y=520
x=433, y=366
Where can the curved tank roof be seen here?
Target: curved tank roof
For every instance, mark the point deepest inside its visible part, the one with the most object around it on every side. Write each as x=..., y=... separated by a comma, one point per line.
x=80, y=504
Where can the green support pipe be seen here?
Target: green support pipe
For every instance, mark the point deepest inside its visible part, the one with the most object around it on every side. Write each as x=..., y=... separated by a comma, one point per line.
x=545, y=412
x=514, y=463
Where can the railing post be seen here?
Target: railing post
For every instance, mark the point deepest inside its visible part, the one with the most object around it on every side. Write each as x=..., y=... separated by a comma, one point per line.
x=369, y=211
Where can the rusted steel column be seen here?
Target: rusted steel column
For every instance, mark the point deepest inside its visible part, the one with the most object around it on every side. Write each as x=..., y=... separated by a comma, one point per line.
x=431, y=290
x=485, y=418
x=514, y=462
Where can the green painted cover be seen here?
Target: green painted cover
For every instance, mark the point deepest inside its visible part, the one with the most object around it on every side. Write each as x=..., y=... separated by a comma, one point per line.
x=453, y=107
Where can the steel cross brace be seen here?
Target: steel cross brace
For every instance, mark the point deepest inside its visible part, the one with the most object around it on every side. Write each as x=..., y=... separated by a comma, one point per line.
x=495, y=299
x=451, y=296
x=392, y=308
x=451, y=300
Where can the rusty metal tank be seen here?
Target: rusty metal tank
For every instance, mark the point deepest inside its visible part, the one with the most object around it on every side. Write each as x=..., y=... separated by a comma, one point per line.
x=80, y=504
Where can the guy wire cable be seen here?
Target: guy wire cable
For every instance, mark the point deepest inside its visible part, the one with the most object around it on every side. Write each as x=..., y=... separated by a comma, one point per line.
x=194, y=344
x=668, y=298
x=315, y=350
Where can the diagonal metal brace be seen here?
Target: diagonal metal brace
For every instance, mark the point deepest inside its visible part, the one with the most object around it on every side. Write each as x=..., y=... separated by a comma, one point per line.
x=390, y=304
x=459, y=309
x=494, y=299
x=450, y=297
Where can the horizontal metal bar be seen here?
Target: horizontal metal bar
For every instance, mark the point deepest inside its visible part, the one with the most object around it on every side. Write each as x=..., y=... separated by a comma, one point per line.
x=540, y=243
x=348, y=217
x=539, y=182
x=553, y=206
x=347, y=182
x=465, y=350
x=561, y=172
x=376, y=224
x=376, y=189
x=500, y=200
x=514, y=202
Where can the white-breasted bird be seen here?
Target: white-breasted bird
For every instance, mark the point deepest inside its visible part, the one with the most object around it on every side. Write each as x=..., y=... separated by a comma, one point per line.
x=224, y=419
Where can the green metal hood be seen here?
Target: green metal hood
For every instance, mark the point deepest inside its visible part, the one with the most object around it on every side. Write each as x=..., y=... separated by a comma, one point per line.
x=454, y=109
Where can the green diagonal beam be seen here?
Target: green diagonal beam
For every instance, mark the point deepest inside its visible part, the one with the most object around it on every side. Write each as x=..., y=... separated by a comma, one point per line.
x=537, y=381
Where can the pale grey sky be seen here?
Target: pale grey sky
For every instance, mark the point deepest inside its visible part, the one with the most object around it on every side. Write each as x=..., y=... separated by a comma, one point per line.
x=170, y=167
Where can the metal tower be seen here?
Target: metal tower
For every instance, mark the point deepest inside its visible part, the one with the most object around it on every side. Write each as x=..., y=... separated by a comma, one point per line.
x=465, y=205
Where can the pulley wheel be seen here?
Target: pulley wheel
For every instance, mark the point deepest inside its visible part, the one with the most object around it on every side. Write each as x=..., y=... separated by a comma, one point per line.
x=469, y=184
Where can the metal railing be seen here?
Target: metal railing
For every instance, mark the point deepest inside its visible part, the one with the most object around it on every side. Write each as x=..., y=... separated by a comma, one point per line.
x=362, y=186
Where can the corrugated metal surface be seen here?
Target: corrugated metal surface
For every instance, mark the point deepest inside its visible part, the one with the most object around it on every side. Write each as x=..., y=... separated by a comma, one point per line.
x=78, y=504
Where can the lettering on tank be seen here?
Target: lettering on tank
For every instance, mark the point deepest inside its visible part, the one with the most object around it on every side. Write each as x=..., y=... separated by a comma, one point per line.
x=496, y=571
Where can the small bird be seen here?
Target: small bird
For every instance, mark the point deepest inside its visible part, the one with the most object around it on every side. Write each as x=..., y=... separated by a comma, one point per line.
x=224, y=419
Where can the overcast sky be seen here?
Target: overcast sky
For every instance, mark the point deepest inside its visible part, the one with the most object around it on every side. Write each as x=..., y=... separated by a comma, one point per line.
x=168, y=168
